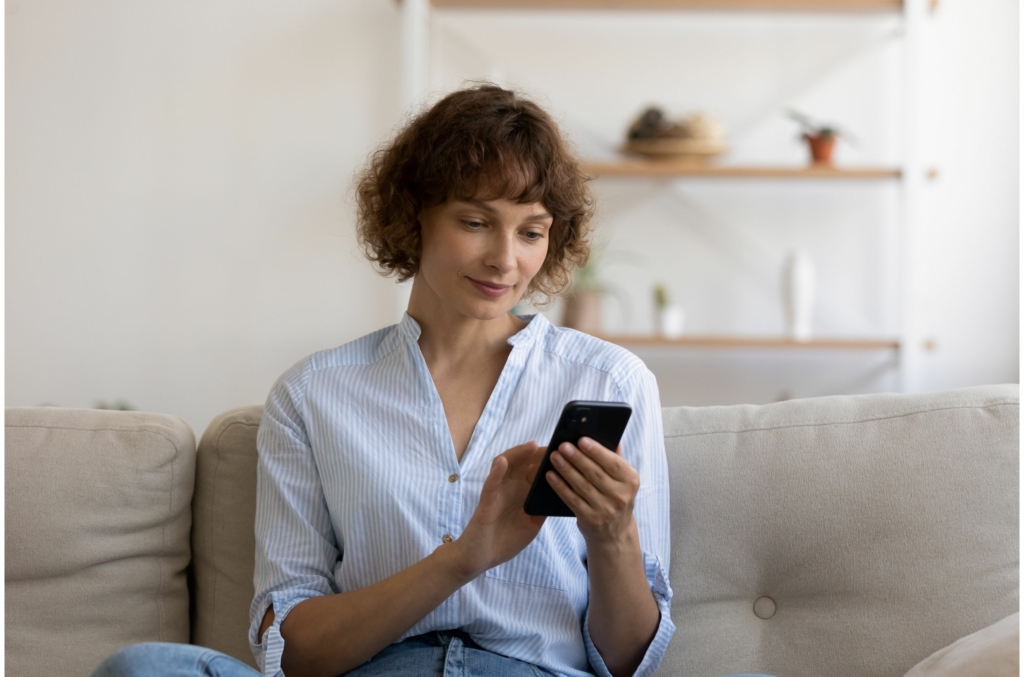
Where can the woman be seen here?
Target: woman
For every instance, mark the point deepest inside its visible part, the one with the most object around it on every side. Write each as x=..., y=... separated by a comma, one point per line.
x=393, y=470
x=390, y=532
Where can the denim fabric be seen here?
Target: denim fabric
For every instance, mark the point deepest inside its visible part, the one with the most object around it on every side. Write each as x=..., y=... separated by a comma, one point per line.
x=171, y=660
x=435, y=654
x=440, y=654
x=443, y=654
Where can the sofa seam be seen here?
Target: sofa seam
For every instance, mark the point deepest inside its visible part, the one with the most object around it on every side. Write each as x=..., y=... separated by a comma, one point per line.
x=120, y=430
x=864, y=420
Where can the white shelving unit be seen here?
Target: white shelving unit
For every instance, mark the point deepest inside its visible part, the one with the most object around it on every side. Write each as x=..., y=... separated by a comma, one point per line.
x=910, y=175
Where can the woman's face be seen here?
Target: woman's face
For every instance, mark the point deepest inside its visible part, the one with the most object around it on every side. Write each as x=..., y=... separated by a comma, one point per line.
x=479, y=256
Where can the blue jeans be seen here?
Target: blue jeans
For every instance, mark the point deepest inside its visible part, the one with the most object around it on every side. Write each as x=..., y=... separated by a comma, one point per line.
x=441, y=654
x=436, y=654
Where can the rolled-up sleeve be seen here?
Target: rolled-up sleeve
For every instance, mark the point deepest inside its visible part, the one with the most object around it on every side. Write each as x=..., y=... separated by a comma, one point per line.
x=643, y=445
x=296, y=549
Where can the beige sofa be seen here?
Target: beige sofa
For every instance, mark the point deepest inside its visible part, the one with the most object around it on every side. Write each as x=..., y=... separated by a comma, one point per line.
x=837, y=536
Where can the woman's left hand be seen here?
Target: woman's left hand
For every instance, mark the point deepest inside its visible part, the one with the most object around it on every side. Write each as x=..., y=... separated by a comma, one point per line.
x=599, y=486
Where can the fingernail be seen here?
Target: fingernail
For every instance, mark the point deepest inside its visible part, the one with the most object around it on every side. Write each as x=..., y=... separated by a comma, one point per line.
x=557, y=459
x=552, y=478
x=586, y=442
x=568, y=450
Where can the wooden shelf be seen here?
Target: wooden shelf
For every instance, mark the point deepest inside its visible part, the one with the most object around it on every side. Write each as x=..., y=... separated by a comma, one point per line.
x=683, y=168
x=750, y=342
x=693, y=5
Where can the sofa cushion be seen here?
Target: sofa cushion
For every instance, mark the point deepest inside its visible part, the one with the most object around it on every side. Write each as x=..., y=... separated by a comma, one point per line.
x=991, y=652
x=223, y=535
x=841, y=536
x=97, y=535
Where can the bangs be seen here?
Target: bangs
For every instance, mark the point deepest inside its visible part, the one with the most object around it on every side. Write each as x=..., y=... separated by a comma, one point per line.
x=515, y=179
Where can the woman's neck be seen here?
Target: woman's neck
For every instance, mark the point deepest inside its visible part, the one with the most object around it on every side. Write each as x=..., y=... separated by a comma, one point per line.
x=448, y=336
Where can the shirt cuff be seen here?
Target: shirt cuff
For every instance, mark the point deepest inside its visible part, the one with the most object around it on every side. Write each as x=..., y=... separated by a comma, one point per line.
x=268, y=653
x=657, y=577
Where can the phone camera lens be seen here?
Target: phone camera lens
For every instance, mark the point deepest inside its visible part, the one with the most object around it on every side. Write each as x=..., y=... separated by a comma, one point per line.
x=584, y=419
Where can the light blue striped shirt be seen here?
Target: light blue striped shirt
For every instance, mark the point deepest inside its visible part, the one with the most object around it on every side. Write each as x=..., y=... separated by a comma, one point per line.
x=353, y=486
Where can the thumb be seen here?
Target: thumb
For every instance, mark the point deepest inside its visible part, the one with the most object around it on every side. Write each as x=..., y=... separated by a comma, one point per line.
x=498, y=467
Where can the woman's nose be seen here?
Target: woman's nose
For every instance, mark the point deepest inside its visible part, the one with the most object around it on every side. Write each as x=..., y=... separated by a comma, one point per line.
x=502, y=254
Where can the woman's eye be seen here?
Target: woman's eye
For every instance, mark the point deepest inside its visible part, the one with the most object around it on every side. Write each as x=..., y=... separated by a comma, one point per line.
x=532, y=235
x=474, y=224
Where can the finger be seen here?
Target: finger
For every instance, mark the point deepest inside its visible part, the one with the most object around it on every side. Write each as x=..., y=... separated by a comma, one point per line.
x=610, y=461
x=520, y=452
x=531, y=472
x=575, y=479
x=594, y=473
x=524, y=449
x=579, y=507
x=513, y=457
x=498, y=467
x=520, y=457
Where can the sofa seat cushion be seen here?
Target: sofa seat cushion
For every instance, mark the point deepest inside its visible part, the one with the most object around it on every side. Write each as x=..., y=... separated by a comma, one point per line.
x=843, y=536
x=97, y=535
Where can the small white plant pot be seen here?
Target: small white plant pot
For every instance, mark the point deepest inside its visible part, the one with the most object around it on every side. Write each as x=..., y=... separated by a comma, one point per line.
x=671, y=321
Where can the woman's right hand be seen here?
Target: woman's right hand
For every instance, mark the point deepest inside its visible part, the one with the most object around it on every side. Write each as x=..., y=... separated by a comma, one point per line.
x=499, y=528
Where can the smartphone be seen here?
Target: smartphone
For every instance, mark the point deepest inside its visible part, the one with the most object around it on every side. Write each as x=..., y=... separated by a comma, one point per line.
x=604, y=422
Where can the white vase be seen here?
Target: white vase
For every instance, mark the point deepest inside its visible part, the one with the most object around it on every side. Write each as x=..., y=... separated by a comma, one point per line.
x=671, y=321
x=798, y=282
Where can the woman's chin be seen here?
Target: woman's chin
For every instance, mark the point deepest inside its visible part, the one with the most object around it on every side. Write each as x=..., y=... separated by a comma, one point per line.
x=484, y=309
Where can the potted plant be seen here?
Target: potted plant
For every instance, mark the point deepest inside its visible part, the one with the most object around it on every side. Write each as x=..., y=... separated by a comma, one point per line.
x=669, y=317
x=582, y=309
x=820, y=138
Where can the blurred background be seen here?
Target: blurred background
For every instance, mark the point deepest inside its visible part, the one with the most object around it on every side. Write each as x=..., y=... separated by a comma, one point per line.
x=180, y=225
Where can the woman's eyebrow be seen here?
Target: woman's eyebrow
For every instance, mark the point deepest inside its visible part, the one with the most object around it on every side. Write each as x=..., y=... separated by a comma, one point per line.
x=482, y=205
x=491, y=210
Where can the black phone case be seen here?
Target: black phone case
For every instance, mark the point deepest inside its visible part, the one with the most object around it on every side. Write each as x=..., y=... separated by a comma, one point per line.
x=605, y=422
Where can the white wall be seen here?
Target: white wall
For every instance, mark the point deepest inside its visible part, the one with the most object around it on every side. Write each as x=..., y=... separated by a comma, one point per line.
x=177, y=226
x=968, y=254
x=178, y=231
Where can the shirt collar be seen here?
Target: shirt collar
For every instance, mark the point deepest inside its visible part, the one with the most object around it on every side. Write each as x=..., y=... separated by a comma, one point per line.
x=409, y=327
x=536, y=325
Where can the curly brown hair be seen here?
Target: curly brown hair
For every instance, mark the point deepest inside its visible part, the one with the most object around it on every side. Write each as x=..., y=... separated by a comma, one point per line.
x=484, y=138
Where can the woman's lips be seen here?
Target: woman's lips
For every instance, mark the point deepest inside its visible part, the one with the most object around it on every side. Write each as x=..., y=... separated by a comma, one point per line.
x=488, y=290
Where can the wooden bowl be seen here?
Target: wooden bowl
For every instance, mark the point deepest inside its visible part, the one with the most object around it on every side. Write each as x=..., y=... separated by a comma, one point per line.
x=674, y=148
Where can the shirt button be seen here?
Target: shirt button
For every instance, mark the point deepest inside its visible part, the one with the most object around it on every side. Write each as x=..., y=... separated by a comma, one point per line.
x=453, y=478
x=447, y=538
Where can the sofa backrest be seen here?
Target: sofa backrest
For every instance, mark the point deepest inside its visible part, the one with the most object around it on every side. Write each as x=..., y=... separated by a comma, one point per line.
x=845, y=536
x=97, y=535
x=223, y=538
x=842, y=536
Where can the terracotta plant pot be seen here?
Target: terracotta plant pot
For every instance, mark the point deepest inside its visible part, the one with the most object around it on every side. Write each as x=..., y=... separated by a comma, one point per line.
x=582, y=311
x=821, y=148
